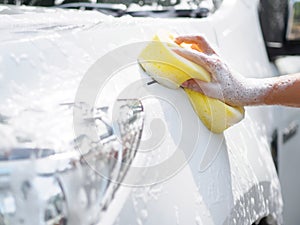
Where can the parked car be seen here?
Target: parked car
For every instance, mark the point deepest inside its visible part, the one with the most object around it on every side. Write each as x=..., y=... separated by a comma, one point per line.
x=88, y=138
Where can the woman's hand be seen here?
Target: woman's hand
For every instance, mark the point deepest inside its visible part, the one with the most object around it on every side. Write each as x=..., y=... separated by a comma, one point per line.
x=225, y=85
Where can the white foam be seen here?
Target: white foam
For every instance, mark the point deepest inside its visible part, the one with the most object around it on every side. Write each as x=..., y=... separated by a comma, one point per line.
x=235, y=89
x=232, y=88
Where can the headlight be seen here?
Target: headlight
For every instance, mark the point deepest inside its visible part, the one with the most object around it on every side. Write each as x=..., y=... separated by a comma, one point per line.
x=42, y=187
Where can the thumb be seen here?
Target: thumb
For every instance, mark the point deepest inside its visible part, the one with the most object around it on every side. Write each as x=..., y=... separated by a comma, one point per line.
x=207, y=88
x=195, y=85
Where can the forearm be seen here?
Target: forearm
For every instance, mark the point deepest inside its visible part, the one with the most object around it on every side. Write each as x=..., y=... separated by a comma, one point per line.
x=283, y=90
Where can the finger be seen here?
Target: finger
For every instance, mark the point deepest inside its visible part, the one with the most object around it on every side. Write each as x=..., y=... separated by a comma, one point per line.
x=198, y=58
x=187, y=39
x=199, y=43
x=193, y=85
x=207, y=88
x=198, y=85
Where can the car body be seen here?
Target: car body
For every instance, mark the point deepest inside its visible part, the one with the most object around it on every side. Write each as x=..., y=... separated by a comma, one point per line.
x=227, y=178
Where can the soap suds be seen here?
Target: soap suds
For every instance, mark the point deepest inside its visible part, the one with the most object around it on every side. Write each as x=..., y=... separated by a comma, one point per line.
x=232, y=88
x=283, y=82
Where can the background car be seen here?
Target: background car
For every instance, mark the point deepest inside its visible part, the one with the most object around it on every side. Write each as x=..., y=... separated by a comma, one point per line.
x=89, y=138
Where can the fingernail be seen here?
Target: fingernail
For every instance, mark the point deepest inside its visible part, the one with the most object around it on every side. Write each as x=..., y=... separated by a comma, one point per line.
x=185, y=84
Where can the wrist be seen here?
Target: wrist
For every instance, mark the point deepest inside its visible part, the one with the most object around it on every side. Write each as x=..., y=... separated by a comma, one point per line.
x=257, y=91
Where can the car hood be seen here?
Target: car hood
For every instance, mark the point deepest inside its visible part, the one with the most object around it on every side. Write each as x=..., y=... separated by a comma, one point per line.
x=22, y=22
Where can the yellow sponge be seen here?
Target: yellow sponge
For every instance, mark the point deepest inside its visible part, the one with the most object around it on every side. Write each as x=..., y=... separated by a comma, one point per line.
x=171, y=70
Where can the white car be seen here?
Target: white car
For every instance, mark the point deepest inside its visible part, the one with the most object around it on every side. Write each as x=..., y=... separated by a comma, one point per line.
x=88, y=138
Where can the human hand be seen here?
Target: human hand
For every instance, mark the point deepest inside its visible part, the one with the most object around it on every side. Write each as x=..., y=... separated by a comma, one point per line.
x=225, y=85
